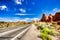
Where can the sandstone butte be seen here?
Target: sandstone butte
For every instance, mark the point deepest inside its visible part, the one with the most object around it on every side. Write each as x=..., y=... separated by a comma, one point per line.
x=51, y=18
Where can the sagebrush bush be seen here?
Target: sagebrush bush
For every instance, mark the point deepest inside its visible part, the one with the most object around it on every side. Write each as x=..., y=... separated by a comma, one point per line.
x=46, y=33
x=45, y=36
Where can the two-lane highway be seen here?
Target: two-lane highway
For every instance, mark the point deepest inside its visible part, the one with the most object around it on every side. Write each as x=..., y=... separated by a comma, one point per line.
x=14, y=34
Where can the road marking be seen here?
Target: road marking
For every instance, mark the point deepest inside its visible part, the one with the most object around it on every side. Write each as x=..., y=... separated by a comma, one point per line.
x=20, y=34
x=8, y=32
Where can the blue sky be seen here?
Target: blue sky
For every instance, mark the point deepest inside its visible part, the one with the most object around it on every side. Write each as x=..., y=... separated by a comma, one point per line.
x=27, y=10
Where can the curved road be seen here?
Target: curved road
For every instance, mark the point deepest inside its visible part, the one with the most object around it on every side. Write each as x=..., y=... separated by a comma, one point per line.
x=13, y=34
x=26, y=33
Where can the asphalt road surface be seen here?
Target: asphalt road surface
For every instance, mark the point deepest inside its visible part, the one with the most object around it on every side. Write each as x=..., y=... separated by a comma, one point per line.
x=32, y=34
x=13, y=33
x=9, y=28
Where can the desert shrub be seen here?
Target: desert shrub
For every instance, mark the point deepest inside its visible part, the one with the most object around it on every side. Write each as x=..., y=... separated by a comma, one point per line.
x=46, y=30
x=40, y=27
x=49, y=37
x=53, y=25
x=45, y=36
x=52, y=32
x=46, y=33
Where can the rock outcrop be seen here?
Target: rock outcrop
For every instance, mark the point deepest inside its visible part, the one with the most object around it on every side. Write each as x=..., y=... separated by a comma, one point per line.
x=44, y=18
x=57, y=16
x=51, y=18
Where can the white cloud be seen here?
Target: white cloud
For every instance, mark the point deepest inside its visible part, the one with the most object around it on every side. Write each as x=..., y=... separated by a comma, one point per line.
x=53, y=11
x=8, y=19
x=18, y=2
x=3, y=7
x=56, y=10
x=15, y=19
x=25, y=19
x=35, y=19
x=23, y=14
x=22, y=10
x=29, y=19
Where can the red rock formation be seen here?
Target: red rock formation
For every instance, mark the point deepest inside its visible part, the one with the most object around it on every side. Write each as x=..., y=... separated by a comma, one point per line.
x=50, y=18
x=57, y=16
x=44, y=18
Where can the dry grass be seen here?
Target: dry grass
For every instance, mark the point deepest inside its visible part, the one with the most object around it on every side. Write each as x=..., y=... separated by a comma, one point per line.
x=11, y=24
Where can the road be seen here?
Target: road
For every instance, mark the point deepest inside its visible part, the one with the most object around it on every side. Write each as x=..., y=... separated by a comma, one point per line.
x=32, y=34
x=9, y=28
x=13, y=33
x=28, y=32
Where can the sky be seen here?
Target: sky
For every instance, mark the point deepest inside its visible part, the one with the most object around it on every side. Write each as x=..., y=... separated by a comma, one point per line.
x=27, y=10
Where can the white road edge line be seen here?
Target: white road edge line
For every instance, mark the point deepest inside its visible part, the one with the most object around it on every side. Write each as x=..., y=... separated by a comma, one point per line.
x=10, y=31
x=20, y=34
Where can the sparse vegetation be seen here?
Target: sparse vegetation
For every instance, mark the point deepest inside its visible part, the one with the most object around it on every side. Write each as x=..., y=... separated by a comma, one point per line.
x=45, y=36
x=47, y=31
x=12, y=24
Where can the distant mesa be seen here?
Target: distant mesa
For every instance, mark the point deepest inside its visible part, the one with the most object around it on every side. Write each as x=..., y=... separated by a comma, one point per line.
x=51, y=18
